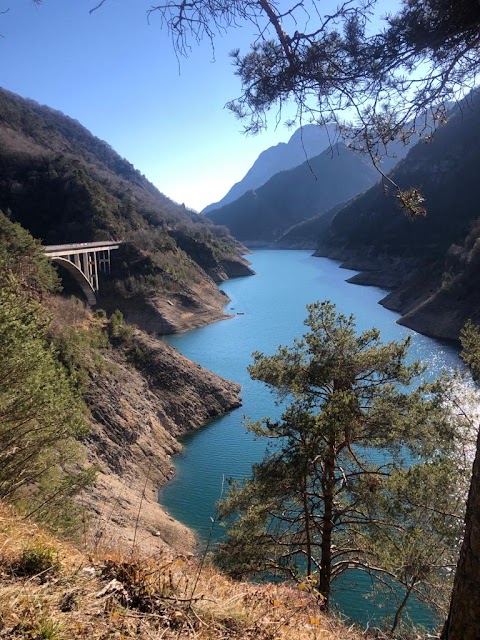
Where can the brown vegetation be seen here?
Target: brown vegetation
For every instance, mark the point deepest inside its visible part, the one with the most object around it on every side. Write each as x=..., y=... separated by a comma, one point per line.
x=126, y=595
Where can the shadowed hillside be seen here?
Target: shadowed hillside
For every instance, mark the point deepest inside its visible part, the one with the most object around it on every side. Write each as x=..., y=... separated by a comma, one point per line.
x=430, y=261
x=263, y=215
x=65, y=185
x=307, y=142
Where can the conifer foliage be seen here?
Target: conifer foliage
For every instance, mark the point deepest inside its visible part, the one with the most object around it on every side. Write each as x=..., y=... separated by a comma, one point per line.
x=41, y=415
x=364, y=472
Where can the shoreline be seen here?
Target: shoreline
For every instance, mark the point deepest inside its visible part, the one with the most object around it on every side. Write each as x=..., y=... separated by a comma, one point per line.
x=138, y=415
x=415, y=291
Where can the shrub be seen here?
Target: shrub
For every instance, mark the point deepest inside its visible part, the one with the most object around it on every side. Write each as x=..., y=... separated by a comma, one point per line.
x=41, y=414
x=118, y=329
x=36, y=559
x=48, y=630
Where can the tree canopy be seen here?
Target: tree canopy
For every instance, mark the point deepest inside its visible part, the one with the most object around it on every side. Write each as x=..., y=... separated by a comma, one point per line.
x=388, y=69
x=364, y=474
x=41, y=413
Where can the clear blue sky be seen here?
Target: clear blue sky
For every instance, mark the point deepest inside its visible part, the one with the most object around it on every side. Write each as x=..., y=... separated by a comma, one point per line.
x=120, y=78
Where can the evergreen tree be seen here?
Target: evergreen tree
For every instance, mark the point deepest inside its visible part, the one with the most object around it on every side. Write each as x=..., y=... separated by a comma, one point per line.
x=23, y=256
x=41, y=415
x=364, y=474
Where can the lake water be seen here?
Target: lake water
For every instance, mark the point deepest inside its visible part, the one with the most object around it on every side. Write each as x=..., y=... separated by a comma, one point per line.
x=272, y=305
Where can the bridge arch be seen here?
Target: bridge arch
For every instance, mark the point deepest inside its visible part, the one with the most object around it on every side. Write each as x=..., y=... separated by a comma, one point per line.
x=79, y=277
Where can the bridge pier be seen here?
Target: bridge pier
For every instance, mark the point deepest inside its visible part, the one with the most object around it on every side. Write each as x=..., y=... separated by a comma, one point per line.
x=103, y=258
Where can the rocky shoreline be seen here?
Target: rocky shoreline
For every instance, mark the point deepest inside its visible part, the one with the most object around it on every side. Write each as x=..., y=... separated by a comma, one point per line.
x=144, y=397
x=138, y=413
x=194, y=305
x=417, y=291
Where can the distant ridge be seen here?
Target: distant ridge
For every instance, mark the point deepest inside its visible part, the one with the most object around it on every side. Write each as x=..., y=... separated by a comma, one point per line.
x=261, y=216
x=307, y=142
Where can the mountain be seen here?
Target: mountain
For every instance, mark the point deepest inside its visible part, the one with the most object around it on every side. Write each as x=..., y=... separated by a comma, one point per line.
x=307, y=141
x=445, y=172
x=307, y=234
x=432, y=262
x=263, y=215
x=65, y=185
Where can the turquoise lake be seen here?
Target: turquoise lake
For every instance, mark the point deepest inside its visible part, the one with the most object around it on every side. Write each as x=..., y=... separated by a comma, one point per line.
x=272, y=305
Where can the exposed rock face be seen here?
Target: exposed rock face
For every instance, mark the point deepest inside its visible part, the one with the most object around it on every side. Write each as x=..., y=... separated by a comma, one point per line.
x=164, y=314
x=150, y=298
x=236, y=269
x=141, y=401
x=218, y=269
x=418, y=292
x=65, y=185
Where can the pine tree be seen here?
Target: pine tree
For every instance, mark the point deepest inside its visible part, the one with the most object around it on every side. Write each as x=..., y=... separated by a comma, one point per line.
x=41, y=414
x=364, y=473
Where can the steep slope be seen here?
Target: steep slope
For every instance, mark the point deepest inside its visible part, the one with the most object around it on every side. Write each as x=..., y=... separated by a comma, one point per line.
x=65, y=185
x=146, y=396
x=261, y=216
x=89, y=592
x=81, y=389
x=307, y=142
x=308, y=233
x=432, y=259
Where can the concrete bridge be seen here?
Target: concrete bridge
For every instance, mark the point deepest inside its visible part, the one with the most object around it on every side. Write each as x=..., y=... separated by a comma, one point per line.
x=84, y=261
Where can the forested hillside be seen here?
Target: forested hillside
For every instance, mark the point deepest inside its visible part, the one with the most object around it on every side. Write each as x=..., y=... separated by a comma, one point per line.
x=65, y=185
x=430, y=261
x=445, y=174
x=263, y=215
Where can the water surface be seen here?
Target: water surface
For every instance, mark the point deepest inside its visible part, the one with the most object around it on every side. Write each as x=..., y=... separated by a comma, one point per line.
x=271, y=308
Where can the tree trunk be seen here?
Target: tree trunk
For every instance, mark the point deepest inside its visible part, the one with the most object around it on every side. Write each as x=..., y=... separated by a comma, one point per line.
x=402, y=606
x=326, y=548
x=308, y=533
x=463, y=622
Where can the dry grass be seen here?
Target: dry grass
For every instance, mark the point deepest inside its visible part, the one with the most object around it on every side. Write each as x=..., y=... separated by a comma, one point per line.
x=68, y=312
x=63, y=594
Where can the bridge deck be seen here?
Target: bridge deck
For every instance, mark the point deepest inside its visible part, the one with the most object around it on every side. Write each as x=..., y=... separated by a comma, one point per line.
x=58, y=250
